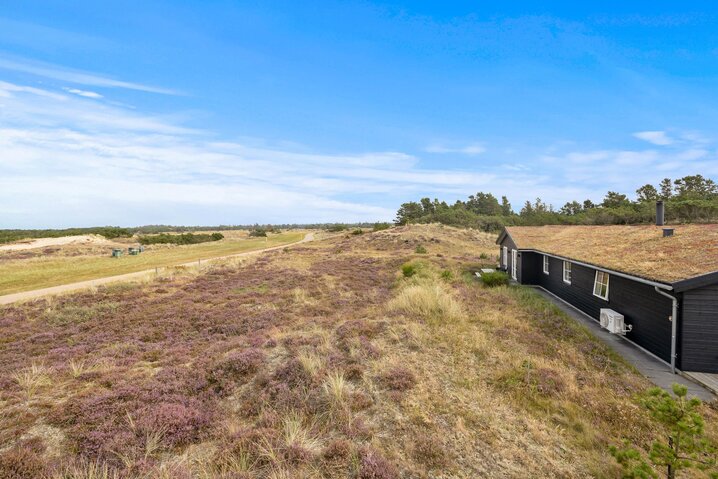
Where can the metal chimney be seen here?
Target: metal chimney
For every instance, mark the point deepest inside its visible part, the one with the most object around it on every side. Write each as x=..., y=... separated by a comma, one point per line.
x=660, y=213
x=667, y=232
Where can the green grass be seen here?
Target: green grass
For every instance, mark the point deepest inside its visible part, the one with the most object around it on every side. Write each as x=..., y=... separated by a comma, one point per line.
x=28, y=274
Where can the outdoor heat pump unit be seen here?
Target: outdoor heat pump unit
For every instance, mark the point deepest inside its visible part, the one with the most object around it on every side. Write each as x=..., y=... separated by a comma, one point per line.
x=614, y=322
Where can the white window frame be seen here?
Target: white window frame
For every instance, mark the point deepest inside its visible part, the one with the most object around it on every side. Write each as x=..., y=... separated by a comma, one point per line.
x=506, y=257
x=514, y=260
x=605, y=276
x=567, y=277
x=545, y=264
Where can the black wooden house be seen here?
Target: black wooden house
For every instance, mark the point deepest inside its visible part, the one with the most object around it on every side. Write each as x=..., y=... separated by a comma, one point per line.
x=662, y=282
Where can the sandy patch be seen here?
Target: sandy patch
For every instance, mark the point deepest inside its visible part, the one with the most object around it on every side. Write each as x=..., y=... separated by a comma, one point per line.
x=45, y=242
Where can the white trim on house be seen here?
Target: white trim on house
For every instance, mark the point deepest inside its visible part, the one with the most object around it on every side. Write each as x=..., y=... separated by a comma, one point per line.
x=506, y=257
x=545, y=264
x=567, y=272
x=514, y=260
x=599, y=285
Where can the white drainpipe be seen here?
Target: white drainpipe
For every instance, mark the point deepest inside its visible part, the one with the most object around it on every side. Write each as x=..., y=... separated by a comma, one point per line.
x=674, y=326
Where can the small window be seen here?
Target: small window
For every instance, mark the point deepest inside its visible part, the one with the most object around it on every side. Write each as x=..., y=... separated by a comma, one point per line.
x=567, y=272
x=600, y=285
x=506, y=257
x=545, y=264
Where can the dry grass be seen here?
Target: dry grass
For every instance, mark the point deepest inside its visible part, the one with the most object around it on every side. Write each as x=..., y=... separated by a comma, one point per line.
x=41, y=272
x=640, y=250
x=323, y=362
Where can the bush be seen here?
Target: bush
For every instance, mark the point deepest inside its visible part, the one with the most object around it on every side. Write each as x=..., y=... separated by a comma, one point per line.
x=398, y=379
x=408, y=270
x=381, y=226
x=258, y=233
x=180, y=239
x=358, y=231
x=495, y=278
x=447, y=275
x=336, y=228
x=420, y=250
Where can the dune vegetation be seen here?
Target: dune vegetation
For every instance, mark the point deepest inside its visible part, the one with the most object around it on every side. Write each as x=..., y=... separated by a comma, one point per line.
x=351, y=357
x=26, y=271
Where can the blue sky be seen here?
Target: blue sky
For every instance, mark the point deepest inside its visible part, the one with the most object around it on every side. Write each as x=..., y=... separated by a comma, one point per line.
x=240, y=112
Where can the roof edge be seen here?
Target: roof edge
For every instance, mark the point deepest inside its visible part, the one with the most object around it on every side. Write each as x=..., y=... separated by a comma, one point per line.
x=504, y=234
x=642, y=279
x=696, y=282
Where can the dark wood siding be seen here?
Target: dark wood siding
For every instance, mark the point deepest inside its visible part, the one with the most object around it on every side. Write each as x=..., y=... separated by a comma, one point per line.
x=510, y=245
x=699, y=330
x=641, y=306
x=531, y=266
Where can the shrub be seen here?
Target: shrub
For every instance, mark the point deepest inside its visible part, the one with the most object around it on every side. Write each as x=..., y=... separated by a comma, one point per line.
x=429, y=451
x=420, y=250
x=398, y=378
x=483, y=256
x=234, y=367
x=180, y=239
x=258, y=233
x=336, y=228
x=447, y=275
x=373, y=465
x=495, y=278
x=358, y=231
x=21, y=463
x=381, y=226
x=408, y=270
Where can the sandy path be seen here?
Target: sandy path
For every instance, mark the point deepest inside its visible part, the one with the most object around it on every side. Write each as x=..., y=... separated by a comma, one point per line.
x=45, y=242
x=80, y=285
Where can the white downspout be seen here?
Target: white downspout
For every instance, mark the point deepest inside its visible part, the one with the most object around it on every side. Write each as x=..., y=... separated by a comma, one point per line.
x=674, y=326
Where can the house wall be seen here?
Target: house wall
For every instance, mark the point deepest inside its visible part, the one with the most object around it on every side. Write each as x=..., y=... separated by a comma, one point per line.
x=699, y=330
x=510, y=245
x=641, y=306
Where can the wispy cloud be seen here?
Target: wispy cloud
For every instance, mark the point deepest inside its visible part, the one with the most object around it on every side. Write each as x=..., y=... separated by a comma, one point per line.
x=659, y=138
x=87, y=161
x=471, y=149
x=79, y=77
x=85, y=93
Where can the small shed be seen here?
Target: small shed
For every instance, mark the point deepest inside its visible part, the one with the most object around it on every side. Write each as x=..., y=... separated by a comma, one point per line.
x=116, y=252
x=133, y=251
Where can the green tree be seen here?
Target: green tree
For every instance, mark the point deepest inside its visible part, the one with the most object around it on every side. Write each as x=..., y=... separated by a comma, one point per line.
x=571, y=208
x=647, y=194
x=506, y=207
x=527, y=210
x=408, y=212
x=615, y=200
x=685, y=447
x=666, y=187
x=588, y=204
x=484, y=204
x=695, y=187
x=427, y=206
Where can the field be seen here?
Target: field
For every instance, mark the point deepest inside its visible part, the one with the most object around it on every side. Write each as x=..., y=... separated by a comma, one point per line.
x=351, y=357
x=34, y=269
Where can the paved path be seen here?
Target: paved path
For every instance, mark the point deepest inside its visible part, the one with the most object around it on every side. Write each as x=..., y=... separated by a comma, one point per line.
x=80, y=285
x=652, y=368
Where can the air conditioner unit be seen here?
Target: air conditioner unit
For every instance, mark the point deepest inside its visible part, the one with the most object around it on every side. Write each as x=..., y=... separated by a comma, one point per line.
x=614, y=322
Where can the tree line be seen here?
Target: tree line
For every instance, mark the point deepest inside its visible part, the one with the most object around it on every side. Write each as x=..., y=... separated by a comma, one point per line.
x=692, y=198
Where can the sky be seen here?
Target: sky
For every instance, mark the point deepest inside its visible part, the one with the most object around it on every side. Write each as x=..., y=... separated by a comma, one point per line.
x=229, y=112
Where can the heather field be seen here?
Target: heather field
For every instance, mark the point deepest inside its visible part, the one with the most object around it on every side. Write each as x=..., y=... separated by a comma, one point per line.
x=351, y=357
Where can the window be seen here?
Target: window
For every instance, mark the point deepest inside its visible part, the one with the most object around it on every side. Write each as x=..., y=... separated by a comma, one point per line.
x=600, y=285
x=567, y=272
x=506, y=257
x=545, y=264
x=513, y=263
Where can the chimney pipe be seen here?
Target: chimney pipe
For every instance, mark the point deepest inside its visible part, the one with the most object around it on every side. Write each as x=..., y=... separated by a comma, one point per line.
x=660, y=213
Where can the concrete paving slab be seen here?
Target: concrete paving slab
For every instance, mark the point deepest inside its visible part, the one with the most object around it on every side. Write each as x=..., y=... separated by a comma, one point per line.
x=650, y=366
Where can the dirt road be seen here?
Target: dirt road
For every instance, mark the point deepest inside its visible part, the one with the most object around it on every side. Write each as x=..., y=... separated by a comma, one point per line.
x=39, y=293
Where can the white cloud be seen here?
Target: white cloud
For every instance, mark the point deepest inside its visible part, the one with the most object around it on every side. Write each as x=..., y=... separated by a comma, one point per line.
x=47, y=70
x=659, y=138
x=85, y=93
x=471, y=149
x=69, y=161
